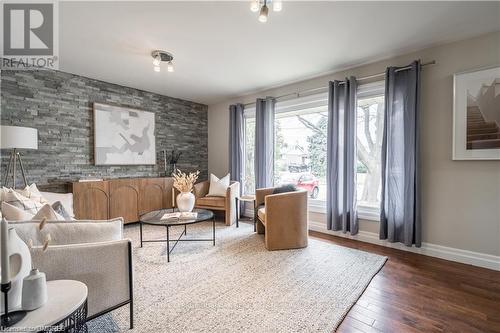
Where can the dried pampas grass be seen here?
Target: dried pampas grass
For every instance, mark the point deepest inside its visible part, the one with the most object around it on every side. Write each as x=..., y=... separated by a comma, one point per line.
x=184, y=182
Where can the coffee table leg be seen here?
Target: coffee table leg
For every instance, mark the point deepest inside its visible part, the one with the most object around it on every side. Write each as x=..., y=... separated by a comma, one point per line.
x=185, y=229
x=213, y=228
x=140, y=231
x=168, y=245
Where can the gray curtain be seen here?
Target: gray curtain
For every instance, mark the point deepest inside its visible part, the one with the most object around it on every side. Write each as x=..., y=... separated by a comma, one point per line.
x=400, y=207
x=341, y=154
x=264, y=142
x=236, y=142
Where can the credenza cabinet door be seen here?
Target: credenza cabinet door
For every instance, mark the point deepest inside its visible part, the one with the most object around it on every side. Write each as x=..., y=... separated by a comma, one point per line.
x=91, y=200
x=124, y=199
x=128, y=198
x=152, y=194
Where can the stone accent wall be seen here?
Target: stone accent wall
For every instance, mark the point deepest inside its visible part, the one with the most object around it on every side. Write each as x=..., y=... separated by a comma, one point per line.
x=59, y=105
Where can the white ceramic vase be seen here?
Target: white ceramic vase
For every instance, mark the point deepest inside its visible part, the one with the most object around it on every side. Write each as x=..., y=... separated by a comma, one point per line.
x=185, y=201
x=34, y=290
x=20, y=265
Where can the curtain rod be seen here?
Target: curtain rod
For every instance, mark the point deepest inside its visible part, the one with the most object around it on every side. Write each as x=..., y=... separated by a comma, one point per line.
x=433, y=62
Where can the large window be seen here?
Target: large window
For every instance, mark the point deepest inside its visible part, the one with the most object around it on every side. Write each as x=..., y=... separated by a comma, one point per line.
x=300, y=151
x=369, y=133
x=249, y=175
x=301, y=144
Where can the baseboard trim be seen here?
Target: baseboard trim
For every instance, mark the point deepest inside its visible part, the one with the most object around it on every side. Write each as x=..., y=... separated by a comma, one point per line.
x=433, y=250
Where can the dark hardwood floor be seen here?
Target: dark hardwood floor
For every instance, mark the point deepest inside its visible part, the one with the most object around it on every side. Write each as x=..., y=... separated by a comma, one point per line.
x=416, y=293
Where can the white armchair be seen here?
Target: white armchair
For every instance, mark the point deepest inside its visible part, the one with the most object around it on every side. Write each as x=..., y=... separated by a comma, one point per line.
x=93, y=252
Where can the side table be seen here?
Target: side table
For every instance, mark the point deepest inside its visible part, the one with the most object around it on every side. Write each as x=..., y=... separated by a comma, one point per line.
x=65, y=310
x=245, y=198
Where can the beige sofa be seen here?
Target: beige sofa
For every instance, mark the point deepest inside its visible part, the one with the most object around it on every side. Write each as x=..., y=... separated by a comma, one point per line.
x=282, y=218
x=93, y=252
x=226, y=204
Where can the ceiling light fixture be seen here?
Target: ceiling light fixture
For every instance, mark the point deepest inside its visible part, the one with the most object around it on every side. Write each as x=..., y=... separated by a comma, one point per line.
x=162, y=56
x=255, y=6
x=264, y=12
x=170, y=67
x=262, y=6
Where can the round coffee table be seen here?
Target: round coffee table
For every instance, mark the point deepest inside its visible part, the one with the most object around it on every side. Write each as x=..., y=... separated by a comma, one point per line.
x=157, y=217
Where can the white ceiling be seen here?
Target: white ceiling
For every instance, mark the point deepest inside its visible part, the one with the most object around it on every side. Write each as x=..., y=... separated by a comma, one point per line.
x=222, y=51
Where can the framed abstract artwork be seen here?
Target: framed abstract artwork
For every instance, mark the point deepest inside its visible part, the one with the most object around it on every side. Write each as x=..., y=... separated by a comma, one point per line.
x=123, y=136
x=476, y=114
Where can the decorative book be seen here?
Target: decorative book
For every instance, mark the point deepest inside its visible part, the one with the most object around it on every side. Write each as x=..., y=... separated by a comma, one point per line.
x=178, y=215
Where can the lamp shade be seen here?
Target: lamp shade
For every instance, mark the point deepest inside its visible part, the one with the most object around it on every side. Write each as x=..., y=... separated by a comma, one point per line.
x=18, y=137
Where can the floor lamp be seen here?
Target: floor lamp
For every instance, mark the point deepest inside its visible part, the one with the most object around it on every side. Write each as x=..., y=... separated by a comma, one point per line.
x=15, y=137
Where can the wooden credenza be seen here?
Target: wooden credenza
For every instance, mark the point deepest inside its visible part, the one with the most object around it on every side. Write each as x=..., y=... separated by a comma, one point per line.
x=127, y=198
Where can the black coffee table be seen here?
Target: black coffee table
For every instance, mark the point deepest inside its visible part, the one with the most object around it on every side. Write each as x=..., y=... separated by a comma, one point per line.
x=154, y=218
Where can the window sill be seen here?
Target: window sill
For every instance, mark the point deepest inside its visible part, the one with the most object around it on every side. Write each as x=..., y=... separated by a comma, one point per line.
x=364, y=212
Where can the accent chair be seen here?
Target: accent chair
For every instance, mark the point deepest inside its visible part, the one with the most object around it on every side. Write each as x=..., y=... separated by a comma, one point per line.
x=282, y=218
x=226, y=204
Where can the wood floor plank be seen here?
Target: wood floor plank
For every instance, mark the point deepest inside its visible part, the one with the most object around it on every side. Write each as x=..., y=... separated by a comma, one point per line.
x=416, y=293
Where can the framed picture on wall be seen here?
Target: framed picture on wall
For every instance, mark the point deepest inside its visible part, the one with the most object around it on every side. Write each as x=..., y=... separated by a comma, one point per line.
x=476, y=114
x=123, y=136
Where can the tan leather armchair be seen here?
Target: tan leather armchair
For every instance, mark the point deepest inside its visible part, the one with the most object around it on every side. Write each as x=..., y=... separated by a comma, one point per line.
x=283, y=218
x=226, y=204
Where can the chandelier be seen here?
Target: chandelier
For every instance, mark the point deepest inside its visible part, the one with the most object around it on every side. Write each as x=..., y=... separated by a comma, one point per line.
x=262, y=6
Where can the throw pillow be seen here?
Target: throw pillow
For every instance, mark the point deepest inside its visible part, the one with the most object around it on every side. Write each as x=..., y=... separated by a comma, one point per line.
x=18, y=200
x=218, y=187
x=65, y=198
x=59, y=209
x=48, y=213
x=284, y=189
x=12, y=213
x=33, y=193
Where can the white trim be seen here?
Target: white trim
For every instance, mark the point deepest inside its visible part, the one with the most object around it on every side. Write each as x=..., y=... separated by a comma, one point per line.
x=369, y=213
x=433, y=250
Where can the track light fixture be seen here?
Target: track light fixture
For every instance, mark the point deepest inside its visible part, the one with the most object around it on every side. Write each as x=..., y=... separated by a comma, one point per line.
x=262, y=6
x=162, y=56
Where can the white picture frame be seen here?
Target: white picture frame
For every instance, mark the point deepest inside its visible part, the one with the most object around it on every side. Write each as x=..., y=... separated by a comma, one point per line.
x=474, y=116
x=123, y=136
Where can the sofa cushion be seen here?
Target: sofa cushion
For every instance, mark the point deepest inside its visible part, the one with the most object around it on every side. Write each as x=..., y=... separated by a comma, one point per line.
x=261, y=213
x=218, y=187
x=61, y=210
x=18, y=200
x=211, y=201
x=47, y=212
x=66, y=200
x=13, y=213
x=33, y=193
x=77, y=232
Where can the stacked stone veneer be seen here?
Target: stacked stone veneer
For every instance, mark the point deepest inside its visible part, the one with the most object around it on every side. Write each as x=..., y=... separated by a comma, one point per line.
x=59, y=105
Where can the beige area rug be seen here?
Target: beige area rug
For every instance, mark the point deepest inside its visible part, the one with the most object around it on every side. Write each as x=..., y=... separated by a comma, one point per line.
x=239, y=286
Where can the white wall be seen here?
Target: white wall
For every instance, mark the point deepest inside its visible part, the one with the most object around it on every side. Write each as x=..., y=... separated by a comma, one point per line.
x=461, y=199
